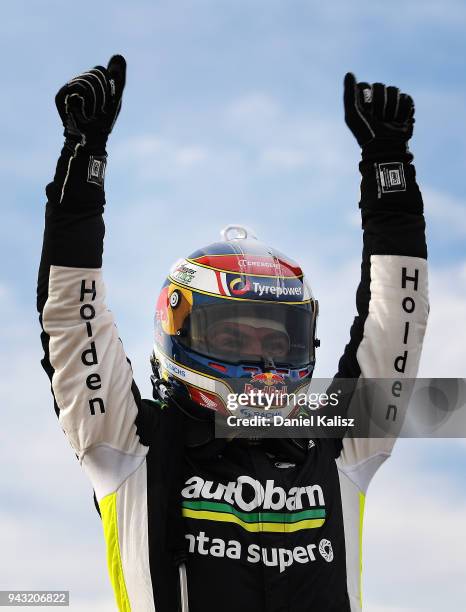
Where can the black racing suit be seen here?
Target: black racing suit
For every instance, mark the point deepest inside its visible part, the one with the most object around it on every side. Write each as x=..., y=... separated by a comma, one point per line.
x=265, y=527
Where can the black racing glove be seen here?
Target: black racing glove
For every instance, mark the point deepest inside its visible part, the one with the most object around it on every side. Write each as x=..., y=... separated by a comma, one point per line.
x=89, y=104
x=381, y=119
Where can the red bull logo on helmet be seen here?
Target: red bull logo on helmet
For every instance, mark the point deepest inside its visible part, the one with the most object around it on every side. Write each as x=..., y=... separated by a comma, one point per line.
x=268, y=379
x=269, y=384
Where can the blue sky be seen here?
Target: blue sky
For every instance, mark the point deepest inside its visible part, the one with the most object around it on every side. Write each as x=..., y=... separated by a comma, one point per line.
x=232, y=113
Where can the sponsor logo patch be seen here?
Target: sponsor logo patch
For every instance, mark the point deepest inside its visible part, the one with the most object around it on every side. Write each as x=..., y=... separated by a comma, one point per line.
x=251, y=264
x=325, y=549
x=183, y=274
x=245, y=494
x=271, y=384
x=276, y=290
x=279, y=558
x=96, y=170
x=391, y=177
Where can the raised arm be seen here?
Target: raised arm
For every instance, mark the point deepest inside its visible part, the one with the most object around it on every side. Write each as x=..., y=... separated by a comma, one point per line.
x=392, y=302
x=96, y=401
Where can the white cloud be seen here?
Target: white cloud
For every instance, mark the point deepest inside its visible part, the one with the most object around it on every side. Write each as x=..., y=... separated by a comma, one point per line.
x=153, y=157
x=189, y=156
x=30, y=164
x=447, y=212
x=444, y=352
x=285, y=158
x=415, y=537
x=416, y=15
x=253, y=107
x=353, y=218
x=313, y=140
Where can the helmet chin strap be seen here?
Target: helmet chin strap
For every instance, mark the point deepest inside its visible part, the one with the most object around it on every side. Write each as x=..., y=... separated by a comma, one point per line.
x=162, y=390
x=199, y=429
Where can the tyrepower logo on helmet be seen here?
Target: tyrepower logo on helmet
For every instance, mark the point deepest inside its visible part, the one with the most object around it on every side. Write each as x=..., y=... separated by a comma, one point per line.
x=276, y=290
x=269, y=289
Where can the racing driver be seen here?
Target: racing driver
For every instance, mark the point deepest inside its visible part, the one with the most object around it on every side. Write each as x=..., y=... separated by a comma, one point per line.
x=194, y=521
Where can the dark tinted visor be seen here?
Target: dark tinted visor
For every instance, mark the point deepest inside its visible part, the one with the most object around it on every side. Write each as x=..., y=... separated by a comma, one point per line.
x=239, y=332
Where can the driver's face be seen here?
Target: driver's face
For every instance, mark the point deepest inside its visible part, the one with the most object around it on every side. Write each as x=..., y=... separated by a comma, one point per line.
x=248, y=340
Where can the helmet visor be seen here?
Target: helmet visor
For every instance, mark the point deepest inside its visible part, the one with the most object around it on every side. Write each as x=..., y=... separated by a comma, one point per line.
x=238, y=332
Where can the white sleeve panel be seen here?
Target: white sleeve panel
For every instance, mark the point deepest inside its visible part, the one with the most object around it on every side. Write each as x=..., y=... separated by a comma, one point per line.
x=133, y=537
x=396, y=322
x=353, y=511
x=107, y=468
x=361, y=473
x=92, y=378
x=390, y=349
